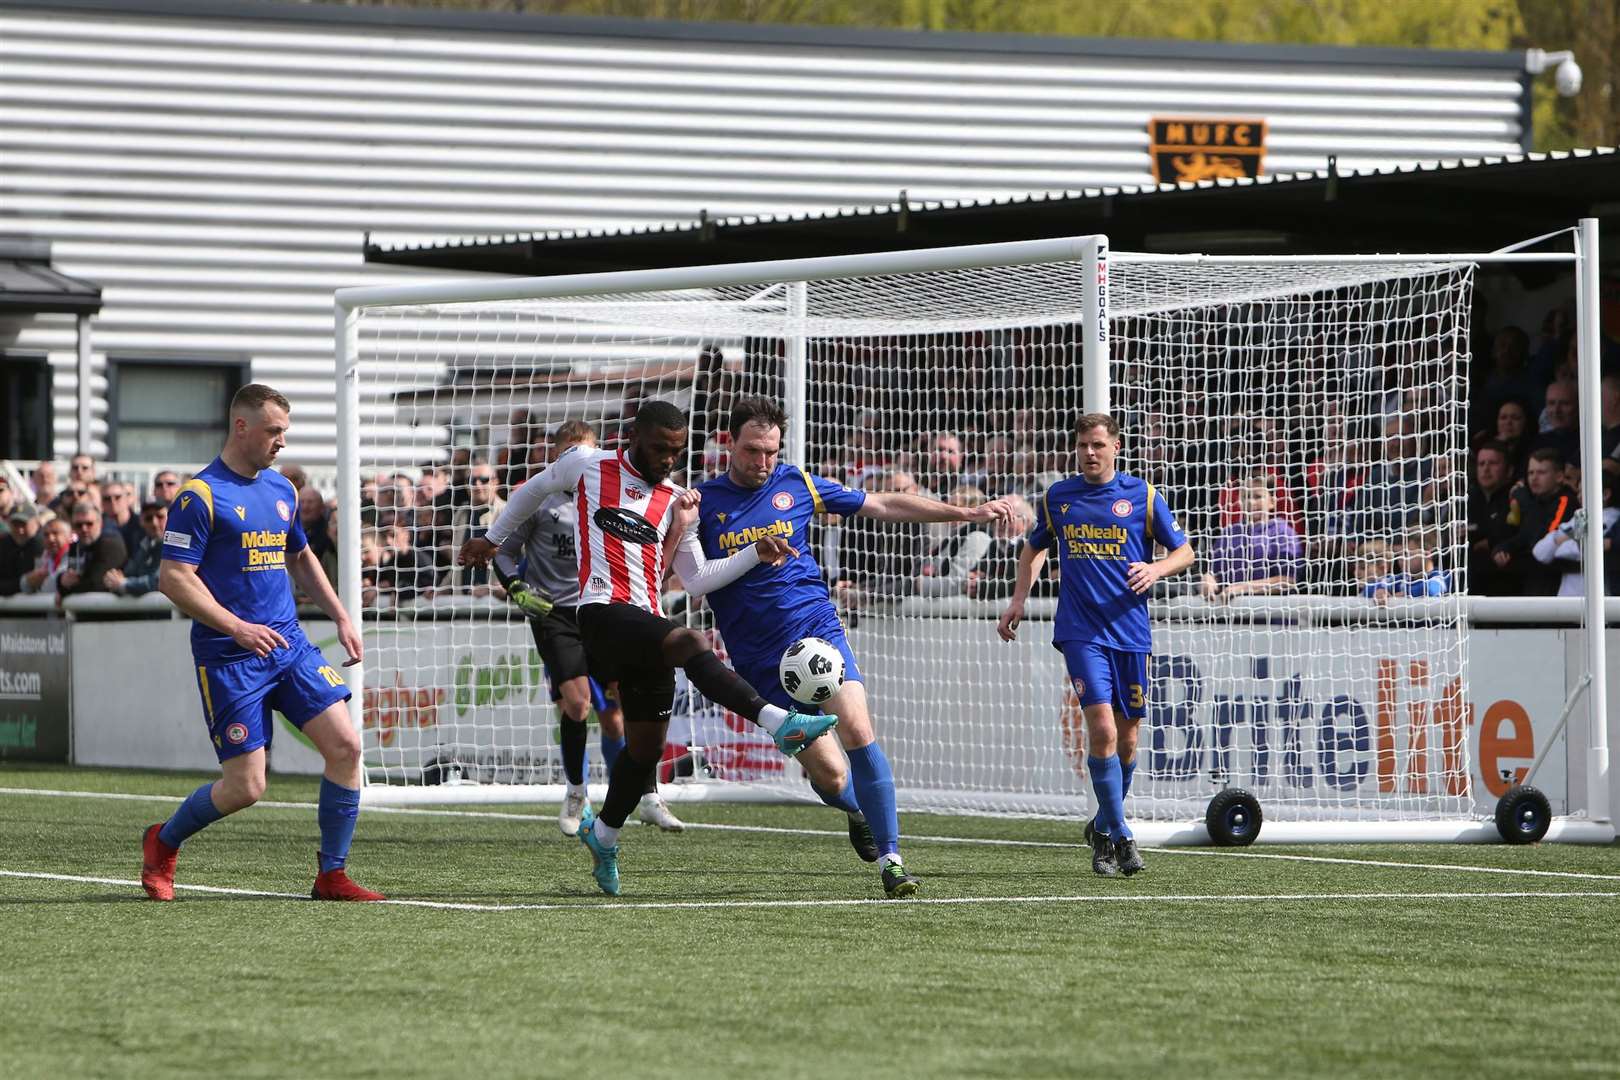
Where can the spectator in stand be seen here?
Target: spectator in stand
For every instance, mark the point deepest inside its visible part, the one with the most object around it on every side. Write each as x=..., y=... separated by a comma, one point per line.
x=97, y=550
x=165, y=486
x=1331, y=483
x=1553, y=344
x=82, y=468
x=295, y=475
x=1561, y=548
x=878, y=559
x=8, y=498
x=864, y=455
x=1393, y=499
x=951, y=565
x=1410, y=572
x=1537, y=507
x=997, y=571
x=371, y=571
x=140, y=574
x=487, y=504
x=20, y=547
x=312, y=516
x=1609, y=440
x=368, y=492
x=53, y=556
x=1561, y=429
x=1489, y=527
x=1510, y=378
x=942, y=472
x=433, y=485
x=1260, y=554
x=44, y=482
x=405, y=571
x=118, y=512
x=1512, y=427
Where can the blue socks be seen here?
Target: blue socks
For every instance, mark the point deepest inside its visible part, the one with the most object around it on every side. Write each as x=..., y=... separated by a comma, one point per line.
x=195, y=814
x=336, y=812
x=1107, y=779
x=843, y=800
x=1127, y=769
x=610, y=753
x=873, y=783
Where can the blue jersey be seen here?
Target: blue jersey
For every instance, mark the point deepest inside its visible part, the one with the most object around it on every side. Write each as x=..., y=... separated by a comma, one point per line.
x=749, y=612
x=238, y=532
x=1097, y=531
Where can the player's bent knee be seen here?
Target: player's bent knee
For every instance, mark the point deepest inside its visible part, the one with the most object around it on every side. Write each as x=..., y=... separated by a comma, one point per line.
x=683, y=644
x=825, y=766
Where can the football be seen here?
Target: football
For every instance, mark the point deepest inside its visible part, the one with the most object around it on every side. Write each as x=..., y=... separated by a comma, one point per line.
x=812, y=670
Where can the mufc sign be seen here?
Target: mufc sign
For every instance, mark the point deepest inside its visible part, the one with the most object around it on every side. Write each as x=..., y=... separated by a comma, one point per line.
x=1186, y=149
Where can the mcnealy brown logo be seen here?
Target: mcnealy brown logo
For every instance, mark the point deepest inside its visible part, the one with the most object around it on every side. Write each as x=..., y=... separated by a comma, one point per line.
x=1191, y=148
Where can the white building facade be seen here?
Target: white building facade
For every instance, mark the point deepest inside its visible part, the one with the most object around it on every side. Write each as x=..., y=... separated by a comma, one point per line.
x=216, y=166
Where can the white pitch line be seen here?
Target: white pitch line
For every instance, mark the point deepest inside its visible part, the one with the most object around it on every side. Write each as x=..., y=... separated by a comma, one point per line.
x=1219, y=853
x=956, y=901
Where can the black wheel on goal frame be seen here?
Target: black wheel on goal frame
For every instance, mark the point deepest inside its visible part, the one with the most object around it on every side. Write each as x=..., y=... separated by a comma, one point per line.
x=1523, y=815
x=1233, y=818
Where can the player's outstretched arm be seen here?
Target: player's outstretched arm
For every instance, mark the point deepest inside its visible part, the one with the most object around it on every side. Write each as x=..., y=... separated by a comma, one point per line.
x=560, y=475
x=897, y=506
x=306, y=570
x=700, y=575
x=180, y=583
x=1029, y=564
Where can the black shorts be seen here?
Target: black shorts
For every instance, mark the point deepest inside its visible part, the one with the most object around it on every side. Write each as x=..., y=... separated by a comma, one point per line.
x=561, y=647
x=625, y=644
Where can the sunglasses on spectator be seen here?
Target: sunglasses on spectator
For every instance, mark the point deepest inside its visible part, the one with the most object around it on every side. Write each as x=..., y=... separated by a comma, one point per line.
x=84, y=524
x=79, y=491
x=483, y=479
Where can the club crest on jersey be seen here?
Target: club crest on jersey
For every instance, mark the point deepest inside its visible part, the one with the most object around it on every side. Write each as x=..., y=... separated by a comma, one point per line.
x=241, y=512
x=627, y=525
x=1122, y=508
x=634, y=494
x=782, y=500
x=236, y=734
x=598, y=584
x=281, y=508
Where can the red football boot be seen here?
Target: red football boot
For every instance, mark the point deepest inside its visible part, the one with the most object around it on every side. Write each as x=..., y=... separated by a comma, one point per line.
x=157, y=865
x=335, y=885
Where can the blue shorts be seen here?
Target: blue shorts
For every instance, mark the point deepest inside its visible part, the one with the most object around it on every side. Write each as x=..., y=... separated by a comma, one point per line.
x=237, y=698
x=764, y=673
x=1105, y=676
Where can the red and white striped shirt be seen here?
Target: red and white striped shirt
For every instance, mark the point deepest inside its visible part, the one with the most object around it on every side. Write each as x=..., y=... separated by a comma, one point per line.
x=622, y=523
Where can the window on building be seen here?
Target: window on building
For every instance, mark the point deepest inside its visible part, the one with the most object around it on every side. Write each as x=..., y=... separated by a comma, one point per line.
x=169, y=412
x=25, y=406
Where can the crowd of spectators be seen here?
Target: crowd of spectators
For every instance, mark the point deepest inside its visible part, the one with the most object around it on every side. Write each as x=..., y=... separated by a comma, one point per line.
x=1338, y=478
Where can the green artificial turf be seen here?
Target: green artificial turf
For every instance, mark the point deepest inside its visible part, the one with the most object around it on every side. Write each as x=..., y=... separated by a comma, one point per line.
x=1197, y=979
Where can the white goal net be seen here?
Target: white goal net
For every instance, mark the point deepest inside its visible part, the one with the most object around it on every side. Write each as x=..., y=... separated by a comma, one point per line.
x=1304, y=420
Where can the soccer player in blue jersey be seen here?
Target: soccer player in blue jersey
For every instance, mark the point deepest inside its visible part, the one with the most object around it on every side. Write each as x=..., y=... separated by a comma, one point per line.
x=772, y=606
x=1103, y=525
x=232, y=549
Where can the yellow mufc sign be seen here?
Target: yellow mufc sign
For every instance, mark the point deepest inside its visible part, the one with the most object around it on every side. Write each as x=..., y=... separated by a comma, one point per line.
x=1186, y=149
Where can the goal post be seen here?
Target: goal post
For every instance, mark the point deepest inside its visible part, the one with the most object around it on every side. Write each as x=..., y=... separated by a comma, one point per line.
x=1234, y=377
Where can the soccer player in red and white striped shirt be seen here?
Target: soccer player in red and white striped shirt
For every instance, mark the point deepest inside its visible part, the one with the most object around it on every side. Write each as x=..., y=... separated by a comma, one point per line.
x=627, y=507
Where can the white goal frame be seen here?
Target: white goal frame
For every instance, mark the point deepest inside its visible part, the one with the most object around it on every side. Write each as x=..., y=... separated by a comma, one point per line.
x=1093, y=254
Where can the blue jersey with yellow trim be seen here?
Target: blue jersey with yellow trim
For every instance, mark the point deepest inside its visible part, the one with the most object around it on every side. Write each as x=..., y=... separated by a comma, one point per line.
x=238, y=532
x=749, y=612
x=1097, y=531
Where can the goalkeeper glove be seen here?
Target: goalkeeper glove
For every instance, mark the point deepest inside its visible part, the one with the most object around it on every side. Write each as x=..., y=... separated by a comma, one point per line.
x=528, y=601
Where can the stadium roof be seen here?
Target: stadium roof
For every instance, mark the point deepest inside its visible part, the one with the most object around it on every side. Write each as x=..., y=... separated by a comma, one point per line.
x=1470, y=205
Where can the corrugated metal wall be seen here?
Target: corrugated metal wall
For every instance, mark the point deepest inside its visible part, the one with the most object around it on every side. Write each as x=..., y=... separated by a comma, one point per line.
x=216, y=175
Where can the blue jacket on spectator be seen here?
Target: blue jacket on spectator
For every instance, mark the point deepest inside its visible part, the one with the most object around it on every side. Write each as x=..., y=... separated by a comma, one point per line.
x=141, y=571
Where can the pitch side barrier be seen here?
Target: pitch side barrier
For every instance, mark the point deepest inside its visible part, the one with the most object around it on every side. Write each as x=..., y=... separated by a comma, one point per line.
x=1215, y=720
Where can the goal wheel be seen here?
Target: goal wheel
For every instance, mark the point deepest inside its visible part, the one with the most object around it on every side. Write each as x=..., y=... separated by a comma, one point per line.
x=1523, y=815
x=1233, y=818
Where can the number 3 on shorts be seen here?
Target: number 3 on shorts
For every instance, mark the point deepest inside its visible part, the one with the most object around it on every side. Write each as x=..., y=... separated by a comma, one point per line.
x=1137, y=700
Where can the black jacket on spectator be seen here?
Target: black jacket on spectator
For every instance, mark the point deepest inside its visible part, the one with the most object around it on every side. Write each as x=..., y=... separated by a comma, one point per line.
x=1567, y=443
x=141, y=571
x=1534, y=518
x=105, y=553
x=130, y=530
x=16, y=561
x=1488, y=523
x=881, y=558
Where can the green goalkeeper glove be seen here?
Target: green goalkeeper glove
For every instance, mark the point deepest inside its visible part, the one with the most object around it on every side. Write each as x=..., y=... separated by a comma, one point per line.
x=528, y=601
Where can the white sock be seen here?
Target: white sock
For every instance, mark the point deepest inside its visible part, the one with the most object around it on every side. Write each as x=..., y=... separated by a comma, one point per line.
x=606, y=835
x=891, y=859
x=576, y=789
x=771, y=718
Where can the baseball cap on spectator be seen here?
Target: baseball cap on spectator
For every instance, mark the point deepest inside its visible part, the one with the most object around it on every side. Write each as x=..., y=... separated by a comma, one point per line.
x=22, y=512
x=152, y=506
